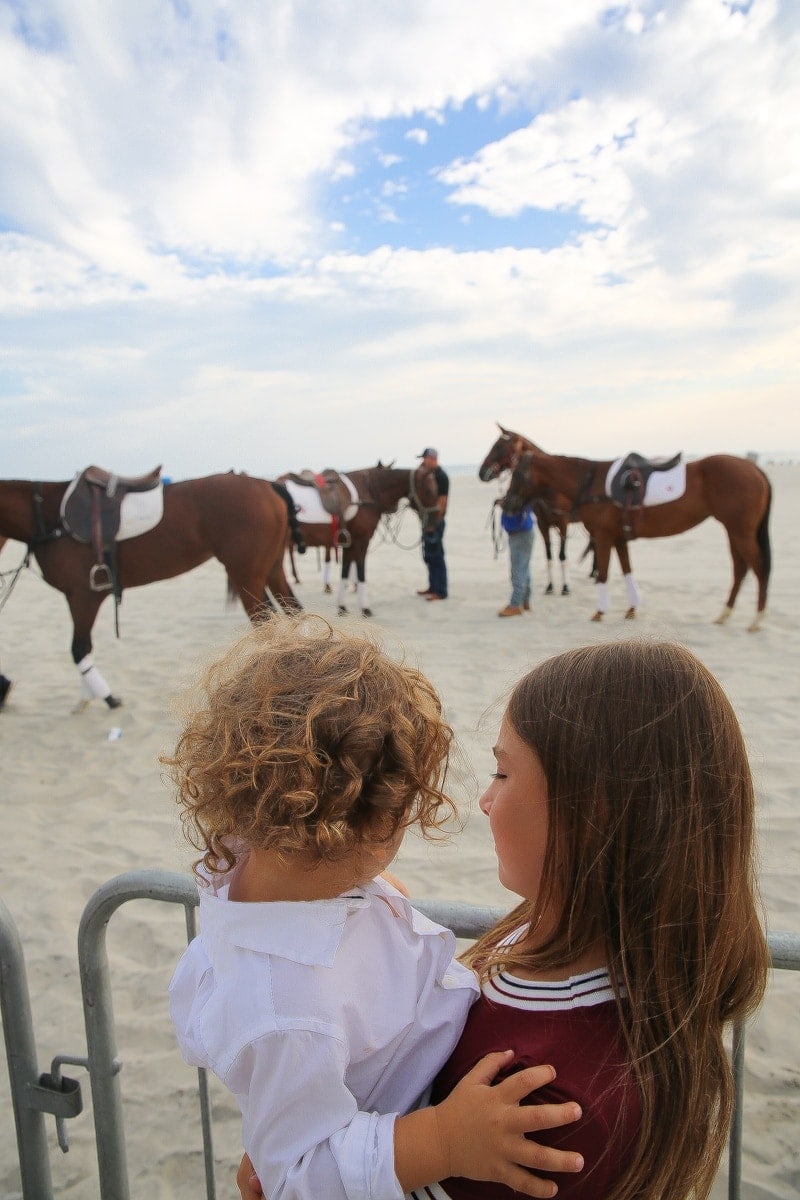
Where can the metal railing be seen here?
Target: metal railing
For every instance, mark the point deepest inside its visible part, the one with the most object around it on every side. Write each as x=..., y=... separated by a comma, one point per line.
x=34, y=1094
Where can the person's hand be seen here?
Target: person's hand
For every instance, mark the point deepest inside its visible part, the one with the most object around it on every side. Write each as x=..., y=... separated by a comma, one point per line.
x=247, y=1181
x=483, y=1128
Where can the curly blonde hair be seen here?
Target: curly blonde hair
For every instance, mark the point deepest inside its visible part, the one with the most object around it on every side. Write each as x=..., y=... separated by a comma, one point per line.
x=311, y=740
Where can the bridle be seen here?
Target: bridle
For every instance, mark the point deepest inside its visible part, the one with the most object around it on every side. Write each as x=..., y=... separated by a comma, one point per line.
x=509, y=462
x=425, y=512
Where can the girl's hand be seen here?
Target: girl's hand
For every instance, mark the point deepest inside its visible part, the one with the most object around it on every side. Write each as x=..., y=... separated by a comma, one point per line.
x=482, y=1128
x=247, y=1181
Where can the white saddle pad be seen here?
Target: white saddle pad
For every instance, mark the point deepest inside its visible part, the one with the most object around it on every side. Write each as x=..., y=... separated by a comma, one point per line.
x=662, y=486
x=308, y=503
x=140, y=511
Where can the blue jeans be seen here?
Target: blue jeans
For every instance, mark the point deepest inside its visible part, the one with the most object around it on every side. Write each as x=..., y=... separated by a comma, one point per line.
x=520, y=546
x=433, y=555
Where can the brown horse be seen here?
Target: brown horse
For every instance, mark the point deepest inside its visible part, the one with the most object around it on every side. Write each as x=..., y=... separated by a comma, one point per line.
x=380, y=490
x=734, y=490
x=552, y=510
x=238, y=519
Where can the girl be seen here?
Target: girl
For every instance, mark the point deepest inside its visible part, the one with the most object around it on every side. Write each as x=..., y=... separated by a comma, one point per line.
x=314, y=991
x=622, y=813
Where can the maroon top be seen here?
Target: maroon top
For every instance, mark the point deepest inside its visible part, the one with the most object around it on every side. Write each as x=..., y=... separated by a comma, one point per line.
x=574, y=1026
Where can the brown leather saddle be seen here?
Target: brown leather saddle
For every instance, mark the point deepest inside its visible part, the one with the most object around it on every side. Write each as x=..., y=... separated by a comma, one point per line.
x=630, y=481
x=91, y=513
x=629, y=484
x=334, y=493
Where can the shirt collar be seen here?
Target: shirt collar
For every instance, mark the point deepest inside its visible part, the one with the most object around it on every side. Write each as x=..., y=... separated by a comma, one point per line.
x=304, y=931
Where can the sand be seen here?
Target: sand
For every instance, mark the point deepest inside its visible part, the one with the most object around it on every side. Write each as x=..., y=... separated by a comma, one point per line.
x=78, y=808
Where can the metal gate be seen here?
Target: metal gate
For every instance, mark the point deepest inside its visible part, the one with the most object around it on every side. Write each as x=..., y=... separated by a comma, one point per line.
x=36, y=1094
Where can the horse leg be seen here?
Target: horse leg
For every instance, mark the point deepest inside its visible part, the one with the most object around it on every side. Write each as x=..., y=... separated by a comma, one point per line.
x=631, y=586
x=360, y=565
x=353, y=577
x=545, y=532
x=751, y=553
x=84, y=609
x=739, y=572
x=562, y=558
x=326, y=573
x=340, y=595
x=603, y=551
x=280, y=589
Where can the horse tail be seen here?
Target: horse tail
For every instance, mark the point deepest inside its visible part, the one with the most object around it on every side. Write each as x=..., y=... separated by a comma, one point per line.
x=291, y=513
x=762, y=534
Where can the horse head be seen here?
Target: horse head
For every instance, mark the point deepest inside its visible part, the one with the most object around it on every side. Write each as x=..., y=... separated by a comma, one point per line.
x=424, y=495
x=524, y=485
x=503, y=455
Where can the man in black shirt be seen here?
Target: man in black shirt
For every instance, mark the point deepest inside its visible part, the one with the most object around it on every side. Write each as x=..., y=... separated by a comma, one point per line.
x=433, y=539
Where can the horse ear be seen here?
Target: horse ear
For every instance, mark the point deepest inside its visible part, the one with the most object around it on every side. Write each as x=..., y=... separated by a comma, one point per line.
x=379, y=464
x=394, y=460
x=502, y=430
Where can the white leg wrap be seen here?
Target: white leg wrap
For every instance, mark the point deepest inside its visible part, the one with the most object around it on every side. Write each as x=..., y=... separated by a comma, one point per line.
x=340, y=591
x=634, y=595
x=565, y=573
x=93, y=685
x=326, y=574
x=363, y=599
x=601, y=590
x=550, y=571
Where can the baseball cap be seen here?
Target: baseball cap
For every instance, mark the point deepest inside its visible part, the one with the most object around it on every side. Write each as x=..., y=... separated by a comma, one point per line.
x=429, y=452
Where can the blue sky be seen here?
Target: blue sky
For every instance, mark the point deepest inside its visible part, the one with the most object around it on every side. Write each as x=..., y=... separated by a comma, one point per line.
x=315, y=233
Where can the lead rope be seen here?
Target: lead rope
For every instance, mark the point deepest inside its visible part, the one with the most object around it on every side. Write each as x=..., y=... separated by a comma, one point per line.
x=494, y=524
x=7, y=588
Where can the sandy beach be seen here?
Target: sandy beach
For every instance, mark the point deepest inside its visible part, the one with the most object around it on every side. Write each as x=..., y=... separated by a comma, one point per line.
x=79, y=808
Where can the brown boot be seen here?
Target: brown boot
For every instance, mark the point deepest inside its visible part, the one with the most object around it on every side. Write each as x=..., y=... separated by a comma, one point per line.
x=511, y=610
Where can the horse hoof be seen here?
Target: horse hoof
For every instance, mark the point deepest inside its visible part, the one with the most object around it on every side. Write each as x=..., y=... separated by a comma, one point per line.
x=367, y=612
x=630, y=615
x=328, y=590
x=80, y=707
x=723, y=616
x=755, y=626
x=548, y=591
x=565, y=590
x=598, y=616
x=342, y=611
x=113, y=702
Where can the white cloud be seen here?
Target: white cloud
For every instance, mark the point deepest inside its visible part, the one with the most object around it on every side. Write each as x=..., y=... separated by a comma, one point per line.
x=158, y=163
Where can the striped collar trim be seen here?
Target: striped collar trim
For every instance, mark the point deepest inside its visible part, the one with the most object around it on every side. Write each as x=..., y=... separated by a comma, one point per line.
x=579, y=991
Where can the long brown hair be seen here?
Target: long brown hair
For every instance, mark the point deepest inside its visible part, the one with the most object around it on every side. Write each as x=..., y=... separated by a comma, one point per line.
x=650, y=851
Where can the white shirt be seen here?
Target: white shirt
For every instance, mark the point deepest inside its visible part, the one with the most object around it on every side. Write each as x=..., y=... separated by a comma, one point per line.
x=325, y=1019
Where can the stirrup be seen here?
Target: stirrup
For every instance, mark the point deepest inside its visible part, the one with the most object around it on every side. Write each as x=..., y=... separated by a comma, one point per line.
x=100, y=579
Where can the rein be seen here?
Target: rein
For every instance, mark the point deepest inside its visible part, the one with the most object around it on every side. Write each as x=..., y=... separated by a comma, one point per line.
x=391, y=520
x=413, y=496
x=40, y=535
x=7, y=588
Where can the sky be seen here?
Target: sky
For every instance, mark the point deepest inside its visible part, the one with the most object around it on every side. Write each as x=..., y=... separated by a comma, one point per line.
x=277, y=234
